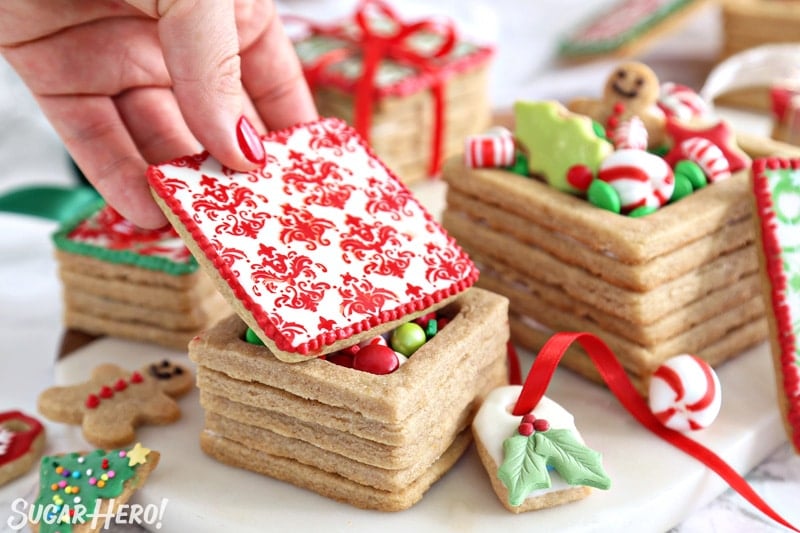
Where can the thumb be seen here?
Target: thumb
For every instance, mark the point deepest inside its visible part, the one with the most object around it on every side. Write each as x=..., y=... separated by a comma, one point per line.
x=201, y=49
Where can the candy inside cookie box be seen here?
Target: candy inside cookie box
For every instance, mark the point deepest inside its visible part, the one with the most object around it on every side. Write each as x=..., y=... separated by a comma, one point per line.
x=682, y=278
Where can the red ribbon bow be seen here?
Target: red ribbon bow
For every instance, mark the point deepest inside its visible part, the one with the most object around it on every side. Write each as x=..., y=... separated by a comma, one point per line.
x=376, y=45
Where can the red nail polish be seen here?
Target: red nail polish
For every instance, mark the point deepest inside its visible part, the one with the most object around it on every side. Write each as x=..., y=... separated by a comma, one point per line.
x=249, y=141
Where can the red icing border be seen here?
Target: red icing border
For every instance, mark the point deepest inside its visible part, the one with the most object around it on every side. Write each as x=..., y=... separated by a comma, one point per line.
x=22, y=441
x=315, y=345
x=786, y=341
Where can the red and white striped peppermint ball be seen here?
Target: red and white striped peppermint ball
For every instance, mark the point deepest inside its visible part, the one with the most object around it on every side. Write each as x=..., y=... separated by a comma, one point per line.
x=685, y=393
x=494, y=149
x=639, y=177
x=682, y=102
x=631, y=134
x=708, y=156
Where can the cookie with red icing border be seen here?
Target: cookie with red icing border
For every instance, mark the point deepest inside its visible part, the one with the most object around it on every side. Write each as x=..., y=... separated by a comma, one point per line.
x=321, y=248
x=114, y=401
x=776, y=184
x=22, y=440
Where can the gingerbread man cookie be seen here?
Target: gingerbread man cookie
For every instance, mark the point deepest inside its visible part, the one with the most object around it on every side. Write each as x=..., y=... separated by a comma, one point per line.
x=631, y=90
x=114, y=401
x=21, y=444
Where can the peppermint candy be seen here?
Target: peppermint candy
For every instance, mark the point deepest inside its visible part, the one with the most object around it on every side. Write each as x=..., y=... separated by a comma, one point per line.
x=639, y=177
x=685, y=393
x=708, y=156
x=630, y=134
x=681, y=102
x=492, y=149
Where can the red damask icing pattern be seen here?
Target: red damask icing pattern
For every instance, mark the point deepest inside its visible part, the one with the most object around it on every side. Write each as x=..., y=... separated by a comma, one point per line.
x=322, y=243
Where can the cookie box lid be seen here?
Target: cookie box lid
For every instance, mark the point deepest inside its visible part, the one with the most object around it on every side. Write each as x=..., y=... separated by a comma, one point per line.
x=319, y=249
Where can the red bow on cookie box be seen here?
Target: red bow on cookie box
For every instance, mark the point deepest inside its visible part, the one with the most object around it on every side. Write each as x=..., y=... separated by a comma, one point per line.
x=376, y=54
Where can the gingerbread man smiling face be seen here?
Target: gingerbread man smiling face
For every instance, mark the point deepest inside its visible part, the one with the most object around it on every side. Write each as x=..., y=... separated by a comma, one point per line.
x=632, y=89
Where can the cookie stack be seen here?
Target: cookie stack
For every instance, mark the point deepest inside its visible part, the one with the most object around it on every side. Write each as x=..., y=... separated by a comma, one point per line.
x=123, y=281
x=373, y=441
x=684, y=279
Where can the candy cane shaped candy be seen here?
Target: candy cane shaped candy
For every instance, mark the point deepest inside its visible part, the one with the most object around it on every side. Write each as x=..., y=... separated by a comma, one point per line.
x=493, y=149
x=640, y=178
x=630, y=134
x=708, y=156
x=685, y=393
x=682, y=102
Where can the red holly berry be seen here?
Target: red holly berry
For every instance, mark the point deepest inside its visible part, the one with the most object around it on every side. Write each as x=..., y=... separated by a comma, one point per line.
x=526, y=429
x=540, y=424
x=529, y=418
x=376, y=359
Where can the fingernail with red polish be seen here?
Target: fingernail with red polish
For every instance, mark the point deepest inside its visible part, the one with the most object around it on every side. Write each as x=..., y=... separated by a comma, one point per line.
x=249, y=141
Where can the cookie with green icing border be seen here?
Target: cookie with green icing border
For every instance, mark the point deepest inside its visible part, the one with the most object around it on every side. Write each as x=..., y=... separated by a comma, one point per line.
x=102, y=233
x=624, y=27
x=537, y=460
x=75, y=486
x=776, y=184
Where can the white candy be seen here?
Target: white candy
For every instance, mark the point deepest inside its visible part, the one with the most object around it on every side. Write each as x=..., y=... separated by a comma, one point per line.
x=631, y=134
x=708, y=156
x=685, y=393
x=374, y=340
x=640, y=178
x=682, y=102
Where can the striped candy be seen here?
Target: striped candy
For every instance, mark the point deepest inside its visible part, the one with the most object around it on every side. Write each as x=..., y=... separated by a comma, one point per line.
x=685, y=393
x=630, y=134
x=493, y=149
x=640, y=178
x=708, y=156
x=681, y=102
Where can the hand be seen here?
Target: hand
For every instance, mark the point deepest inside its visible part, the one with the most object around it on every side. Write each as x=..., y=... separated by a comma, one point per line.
x=127, y=83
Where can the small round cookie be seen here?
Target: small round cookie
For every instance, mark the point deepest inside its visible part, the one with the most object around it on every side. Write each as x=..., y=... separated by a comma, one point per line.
x=21, y=444
x=685, y=393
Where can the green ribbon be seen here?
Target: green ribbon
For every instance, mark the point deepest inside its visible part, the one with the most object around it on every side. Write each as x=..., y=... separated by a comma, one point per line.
x=48, y=201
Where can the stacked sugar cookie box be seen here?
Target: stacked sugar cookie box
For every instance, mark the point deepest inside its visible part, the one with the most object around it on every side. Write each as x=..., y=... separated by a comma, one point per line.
x=679, y=278
x=413, y=89
x=329, y=250
x=122, y=281
x=374, y=441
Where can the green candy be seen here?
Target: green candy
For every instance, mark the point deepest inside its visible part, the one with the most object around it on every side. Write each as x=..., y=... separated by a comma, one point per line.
x=683, y=188
x=252, y=338
x=520, y=165
x=604, y=196
x=599, y=130
x=692, y=172
x=660, y=151
x=431, y=329
x=642, y=211
x=407, y=338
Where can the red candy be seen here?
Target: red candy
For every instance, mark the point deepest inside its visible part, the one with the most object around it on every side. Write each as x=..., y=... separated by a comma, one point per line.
x=341, y=359
x=120, y=385
x=580, y=177
x=92, y=401
x=136, y=377
x=376, y=359
x=106, y=392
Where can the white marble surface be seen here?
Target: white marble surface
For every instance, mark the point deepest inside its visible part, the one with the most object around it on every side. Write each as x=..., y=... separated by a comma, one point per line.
x=30, y=323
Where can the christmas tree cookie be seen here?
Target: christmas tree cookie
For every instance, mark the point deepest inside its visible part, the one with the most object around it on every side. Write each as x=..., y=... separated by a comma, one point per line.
x=776, y=184
x=77, y=492
x=535, y=460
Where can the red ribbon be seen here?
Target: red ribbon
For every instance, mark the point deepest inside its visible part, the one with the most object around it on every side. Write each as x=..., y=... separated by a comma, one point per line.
x=376, y=46
x=618, y=382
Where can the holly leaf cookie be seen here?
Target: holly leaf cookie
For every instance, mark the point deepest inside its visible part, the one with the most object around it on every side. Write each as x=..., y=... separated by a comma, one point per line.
x=321, y=248
x=557, y=140
x=776, y=184
x=537, y=460
x=21, y=443
x=113, y=402
x=76, y=487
